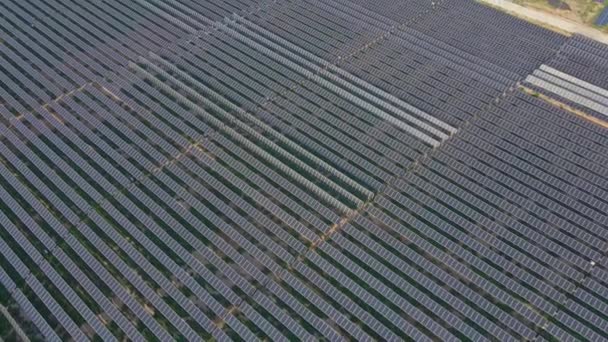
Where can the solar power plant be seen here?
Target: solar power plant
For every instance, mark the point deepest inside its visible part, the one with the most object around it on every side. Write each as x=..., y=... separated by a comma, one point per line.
x=334, y=170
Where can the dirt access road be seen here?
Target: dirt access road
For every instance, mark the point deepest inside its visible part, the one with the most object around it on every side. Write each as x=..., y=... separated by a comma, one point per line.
x=548, y=20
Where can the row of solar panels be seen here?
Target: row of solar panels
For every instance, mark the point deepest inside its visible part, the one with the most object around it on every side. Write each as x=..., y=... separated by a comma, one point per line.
x=135, y=44
x=584, y=59
x=98, y=182
x=509, y=44
x=575, y=77
x=571, y=88
x=516, y=247
x=52, y=47
x=417, y=328
x=192, y=196
x=450, y=80
x=206, y=196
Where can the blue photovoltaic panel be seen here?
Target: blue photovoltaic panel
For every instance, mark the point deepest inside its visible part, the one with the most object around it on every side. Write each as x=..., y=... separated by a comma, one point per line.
x=602, y=19
x=299, y=170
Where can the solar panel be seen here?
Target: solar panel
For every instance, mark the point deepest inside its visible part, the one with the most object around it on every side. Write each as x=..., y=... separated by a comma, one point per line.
x=317, y=169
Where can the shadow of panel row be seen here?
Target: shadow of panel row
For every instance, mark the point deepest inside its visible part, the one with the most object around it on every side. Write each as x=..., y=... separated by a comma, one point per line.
x=15, y=318
x=52, y=47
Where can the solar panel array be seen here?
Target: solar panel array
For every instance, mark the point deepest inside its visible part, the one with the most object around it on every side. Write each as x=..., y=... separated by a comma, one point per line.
x=575, y=90
x=316, y=169
x=602, y=18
